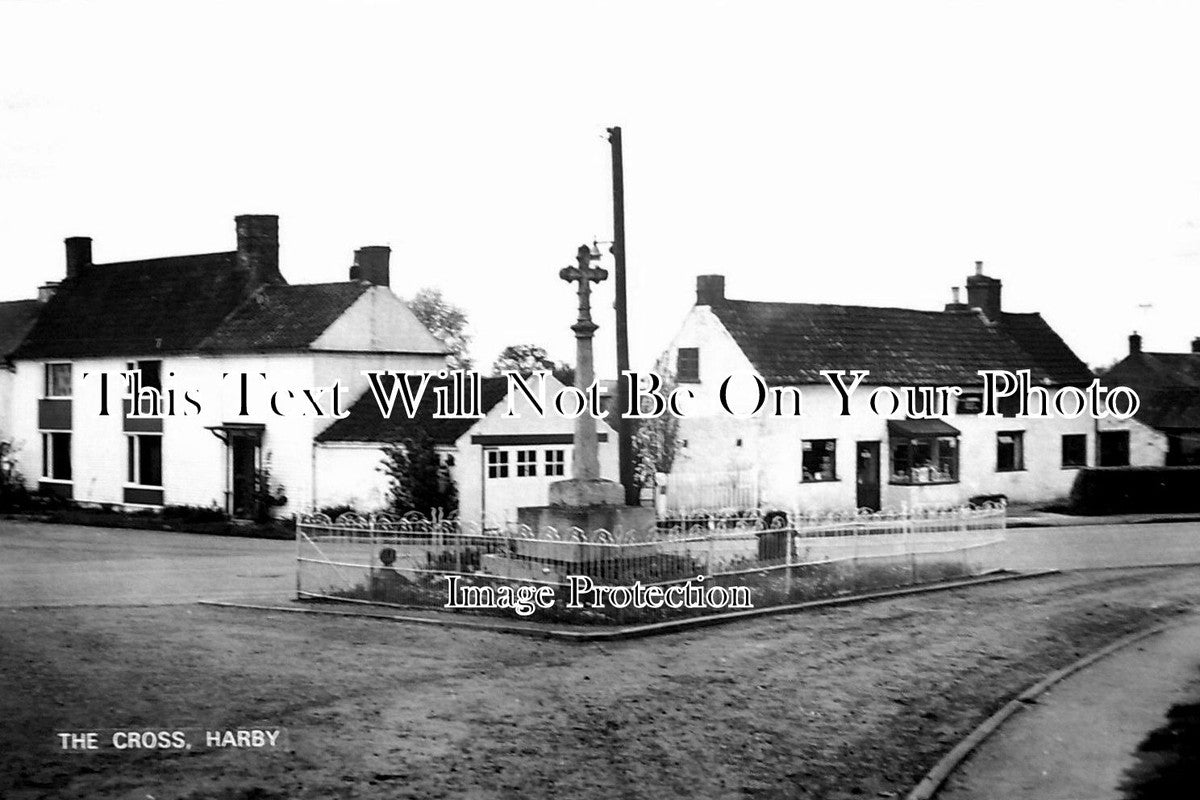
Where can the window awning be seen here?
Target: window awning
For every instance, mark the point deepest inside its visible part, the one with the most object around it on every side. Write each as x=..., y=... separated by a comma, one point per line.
x=921, y=427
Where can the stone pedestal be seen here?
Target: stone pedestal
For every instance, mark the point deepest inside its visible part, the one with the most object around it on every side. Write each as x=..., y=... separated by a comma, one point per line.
x=590, y=506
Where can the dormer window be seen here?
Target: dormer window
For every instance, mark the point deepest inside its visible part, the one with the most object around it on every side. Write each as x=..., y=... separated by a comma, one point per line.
x=687, y=366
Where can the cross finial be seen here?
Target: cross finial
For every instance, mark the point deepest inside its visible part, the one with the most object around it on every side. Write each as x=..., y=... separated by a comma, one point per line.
x=585, y=274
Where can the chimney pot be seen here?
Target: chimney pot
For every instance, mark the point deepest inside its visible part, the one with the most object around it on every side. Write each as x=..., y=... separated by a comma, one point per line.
x=258, y=248
x=79, y=254
x=1196, y=345
x=978, y=267
x=954, y=295
x=710, y=290
x=371, y=264
x=1135, y=343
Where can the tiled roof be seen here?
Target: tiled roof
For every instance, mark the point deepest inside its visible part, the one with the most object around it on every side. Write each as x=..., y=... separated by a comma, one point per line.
x=137, y=308
x=283, y=317
x=366, y=424
x=1170, y=408
x=790, y=343
x=1157, y=370
x=1045, y=348
x=16, y=318
x=181, y=304
x=1168, y=385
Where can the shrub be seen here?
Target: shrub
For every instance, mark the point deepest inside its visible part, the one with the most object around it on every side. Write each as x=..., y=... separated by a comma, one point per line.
x=194, y=514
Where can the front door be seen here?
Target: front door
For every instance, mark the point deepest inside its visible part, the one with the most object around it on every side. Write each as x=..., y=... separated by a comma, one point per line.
x=867, y=460
x=243, y=457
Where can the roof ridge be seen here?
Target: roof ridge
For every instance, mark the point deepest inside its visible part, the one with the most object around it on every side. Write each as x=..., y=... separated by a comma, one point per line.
x=135, y=262
x=931, y=311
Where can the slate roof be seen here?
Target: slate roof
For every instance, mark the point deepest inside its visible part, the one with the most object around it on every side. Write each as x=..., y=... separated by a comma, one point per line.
x=367, y=424
x=16, y=318
x=198, y=303
x=283, y=317
x=790, y=343
x=160, y=305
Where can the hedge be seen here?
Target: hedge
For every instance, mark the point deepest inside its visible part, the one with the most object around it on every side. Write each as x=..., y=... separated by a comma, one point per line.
x=1126, y=490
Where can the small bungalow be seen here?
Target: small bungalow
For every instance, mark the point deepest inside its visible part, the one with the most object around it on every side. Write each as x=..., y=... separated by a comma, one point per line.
x=1166, y=429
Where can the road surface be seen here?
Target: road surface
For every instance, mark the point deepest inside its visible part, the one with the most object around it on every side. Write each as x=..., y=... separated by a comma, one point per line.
x=65, y=565
x=42, y=564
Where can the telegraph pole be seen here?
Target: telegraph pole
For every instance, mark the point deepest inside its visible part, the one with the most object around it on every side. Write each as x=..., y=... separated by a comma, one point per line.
x=624, y=425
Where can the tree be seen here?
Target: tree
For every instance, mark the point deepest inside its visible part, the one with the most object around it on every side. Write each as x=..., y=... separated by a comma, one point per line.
x=418, y=480
x=526, y=359
x=446, y=321
x=655, y=441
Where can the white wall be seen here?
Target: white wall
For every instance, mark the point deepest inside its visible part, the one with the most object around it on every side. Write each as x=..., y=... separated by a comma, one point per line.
x=1147, y=446
x=772, y=445
x=7, y=379
x=499, y=498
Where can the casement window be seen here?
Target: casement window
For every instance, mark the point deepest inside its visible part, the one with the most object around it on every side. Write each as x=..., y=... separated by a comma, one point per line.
x=497, y=463
x=969, y=403
x=144, y=459
x=1074, y=450
x=151, y=372
x=526, y=463
x=818, y=460
x=58, y=380
x=687, y=367
x=1114, y=449
x=1010, y=451
x=556, y=462
x=924, y=459
x=56, y=456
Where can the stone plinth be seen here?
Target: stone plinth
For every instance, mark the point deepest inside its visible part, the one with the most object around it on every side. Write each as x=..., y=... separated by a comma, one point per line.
x=590, y=506
x=584, y=493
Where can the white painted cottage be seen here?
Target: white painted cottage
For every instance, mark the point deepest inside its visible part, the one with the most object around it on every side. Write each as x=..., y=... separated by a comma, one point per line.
x=822, y=460
x=185, y=322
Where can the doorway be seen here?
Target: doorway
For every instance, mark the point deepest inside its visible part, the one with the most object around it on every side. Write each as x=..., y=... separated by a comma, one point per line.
x=867, y=471
x=243, y=475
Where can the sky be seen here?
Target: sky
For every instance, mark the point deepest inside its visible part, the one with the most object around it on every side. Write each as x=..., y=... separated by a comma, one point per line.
x=862, y=153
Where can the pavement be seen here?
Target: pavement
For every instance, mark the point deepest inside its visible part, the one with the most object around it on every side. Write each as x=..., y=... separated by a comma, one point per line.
x=1080, y=739
x=1028, y=517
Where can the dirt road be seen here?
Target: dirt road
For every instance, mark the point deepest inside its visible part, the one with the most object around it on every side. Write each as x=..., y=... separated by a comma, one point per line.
x=847, y=702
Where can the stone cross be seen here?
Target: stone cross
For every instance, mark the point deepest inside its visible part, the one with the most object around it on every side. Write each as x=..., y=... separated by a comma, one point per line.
x=586, y=462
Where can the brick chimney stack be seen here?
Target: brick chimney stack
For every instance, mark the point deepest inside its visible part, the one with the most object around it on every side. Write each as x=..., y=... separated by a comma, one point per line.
x=371, y=264
x=1135, y=343
x=258, y=248
x=984, y=293
x=79, y=254
x=710, y=290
